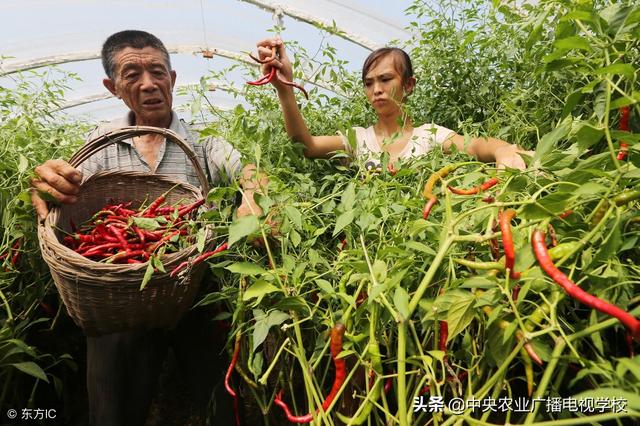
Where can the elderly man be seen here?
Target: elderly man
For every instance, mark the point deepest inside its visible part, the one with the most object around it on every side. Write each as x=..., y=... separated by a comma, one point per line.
x=122, y=368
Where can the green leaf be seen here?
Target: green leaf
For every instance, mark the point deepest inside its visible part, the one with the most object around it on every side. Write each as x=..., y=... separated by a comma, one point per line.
x=417, y=246
x=295, y=216
x=201, y=239
x=401, y=301
x=549, y=141
x=264, y=323
x=622, y=69
x=259, y=289
x=581, y=15
x=343, y=220
x=348, y=197
x=293, y=303
x=571, y=43
x=325, y=286
x=32, y=369
x=631, y=365
x=147, y=276
x=245, y=268
x=587, y=135
x=379, y=269
x=157, y=263
x=242, y=227
x=460, y=313
x=220, y=193
x=146, y=223
x=295, y=237
x=23, y=164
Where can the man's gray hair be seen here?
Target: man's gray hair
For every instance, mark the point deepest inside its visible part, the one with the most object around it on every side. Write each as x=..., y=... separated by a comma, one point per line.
x=129, y=38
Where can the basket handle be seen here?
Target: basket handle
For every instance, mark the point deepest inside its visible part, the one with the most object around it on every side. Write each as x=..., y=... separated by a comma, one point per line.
x=109, y=138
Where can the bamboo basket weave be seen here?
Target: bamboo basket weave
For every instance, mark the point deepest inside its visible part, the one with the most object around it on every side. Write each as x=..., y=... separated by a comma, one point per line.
x=106, y=298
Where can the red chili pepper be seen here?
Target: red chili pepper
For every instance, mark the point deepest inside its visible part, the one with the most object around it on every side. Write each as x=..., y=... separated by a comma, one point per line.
x=265, y=79
x=427, y=191
x=343, y=244
x=191, y=207
x=140, y=234
x=515, y=292
x=624, y=126
x=565, y=214
x=51, y=313
x=100, y=249
x=428, y=206
x=199, y=259
x=388, y=383
x=16, y=248
x=444, y=336
x=483, y=187
x=532, y=353
x=227, y=386
x=504, y=218
x=336, y=347
x=540, y=250
x=629, y=339
x=124, y=255
x=118, y=234
x=153, y=247
x=155, y=204
x=292, y=84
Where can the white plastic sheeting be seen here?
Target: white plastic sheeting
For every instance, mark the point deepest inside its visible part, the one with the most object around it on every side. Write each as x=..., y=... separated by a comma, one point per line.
x=59, y=31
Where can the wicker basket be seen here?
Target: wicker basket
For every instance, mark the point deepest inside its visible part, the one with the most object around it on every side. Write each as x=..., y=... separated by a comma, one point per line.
x=106, y=298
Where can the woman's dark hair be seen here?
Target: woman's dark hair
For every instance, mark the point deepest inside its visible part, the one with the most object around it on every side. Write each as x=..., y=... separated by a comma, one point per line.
x=129, y=38
x=401, y=61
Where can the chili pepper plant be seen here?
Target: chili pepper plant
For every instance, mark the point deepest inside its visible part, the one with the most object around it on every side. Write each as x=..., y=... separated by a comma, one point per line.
x=523, y=287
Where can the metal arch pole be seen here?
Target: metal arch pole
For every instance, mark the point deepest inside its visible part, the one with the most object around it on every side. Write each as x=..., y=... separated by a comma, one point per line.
x=11, y=68
x=310, y=19
x=89, y=56
x=106, y=95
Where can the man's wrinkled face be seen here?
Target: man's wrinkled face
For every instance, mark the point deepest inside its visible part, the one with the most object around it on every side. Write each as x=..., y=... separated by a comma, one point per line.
x=143, y=80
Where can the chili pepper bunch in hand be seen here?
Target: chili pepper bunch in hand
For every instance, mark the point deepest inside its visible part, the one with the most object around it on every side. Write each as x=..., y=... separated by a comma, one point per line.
x=274, y=59
x=118, y=234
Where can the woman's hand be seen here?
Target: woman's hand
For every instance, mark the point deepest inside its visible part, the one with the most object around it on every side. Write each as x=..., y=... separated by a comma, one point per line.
x=281, y=61
x=509, y=156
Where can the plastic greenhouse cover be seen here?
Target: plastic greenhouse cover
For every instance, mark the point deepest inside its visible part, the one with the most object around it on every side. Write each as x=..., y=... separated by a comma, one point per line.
x=37, y=29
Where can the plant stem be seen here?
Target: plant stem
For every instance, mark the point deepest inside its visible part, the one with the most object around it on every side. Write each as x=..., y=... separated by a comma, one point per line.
x=424, y=284
x=402, y=370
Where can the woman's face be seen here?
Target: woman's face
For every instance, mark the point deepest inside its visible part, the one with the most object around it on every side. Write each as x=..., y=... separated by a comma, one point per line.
x=383, y=86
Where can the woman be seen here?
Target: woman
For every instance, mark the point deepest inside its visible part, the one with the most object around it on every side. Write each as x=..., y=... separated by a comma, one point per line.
x=388, y=79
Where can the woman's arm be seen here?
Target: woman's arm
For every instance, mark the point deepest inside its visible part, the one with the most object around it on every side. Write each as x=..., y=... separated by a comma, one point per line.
x=296, y=127
x=489, y=150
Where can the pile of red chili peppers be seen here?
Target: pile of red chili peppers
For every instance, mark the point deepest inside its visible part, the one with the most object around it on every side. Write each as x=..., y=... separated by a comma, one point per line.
x=117, y=234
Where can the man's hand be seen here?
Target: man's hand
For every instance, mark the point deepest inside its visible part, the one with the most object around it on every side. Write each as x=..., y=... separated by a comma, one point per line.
x=56, y=179
x=509, y=156
x=248, y=207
